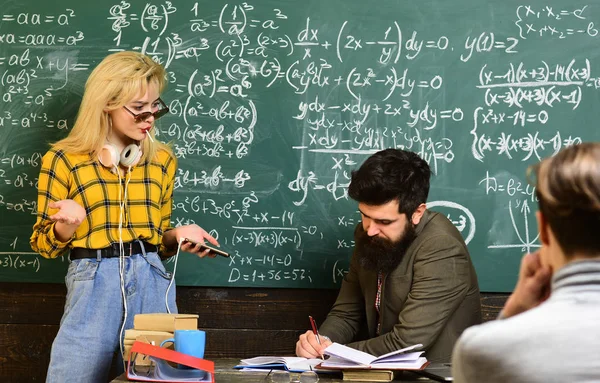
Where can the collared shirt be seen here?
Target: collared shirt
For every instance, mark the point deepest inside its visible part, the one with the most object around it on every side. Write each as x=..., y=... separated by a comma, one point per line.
x=141, y=200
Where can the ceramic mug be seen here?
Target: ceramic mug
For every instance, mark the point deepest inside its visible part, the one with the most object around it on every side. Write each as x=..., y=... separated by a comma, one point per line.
x=190, y=342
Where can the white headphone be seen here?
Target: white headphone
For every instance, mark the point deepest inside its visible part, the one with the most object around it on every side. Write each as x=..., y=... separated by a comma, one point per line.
x=110, y=157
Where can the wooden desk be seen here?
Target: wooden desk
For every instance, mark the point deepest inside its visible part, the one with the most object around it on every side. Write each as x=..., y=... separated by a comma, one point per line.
x=224, y=373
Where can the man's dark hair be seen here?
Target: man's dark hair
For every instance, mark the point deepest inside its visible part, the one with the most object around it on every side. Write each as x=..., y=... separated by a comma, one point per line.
x=392, y=174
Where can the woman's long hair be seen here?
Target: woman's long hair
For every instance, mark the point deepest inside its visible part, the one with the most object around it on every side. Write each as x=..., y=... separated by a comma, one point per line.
x=112, y=84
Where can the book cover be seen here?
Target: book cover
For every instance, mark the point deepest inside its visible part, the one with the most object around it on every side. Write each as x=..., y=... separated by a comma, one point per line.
x=133, y=333
x=165, y=322
x=368, y=375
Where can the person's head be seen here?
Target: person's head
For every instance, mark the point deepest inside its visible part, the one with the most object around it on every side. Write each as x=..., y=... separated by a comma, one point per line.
x=124, y=84
x=391, y=188
x=568, y=190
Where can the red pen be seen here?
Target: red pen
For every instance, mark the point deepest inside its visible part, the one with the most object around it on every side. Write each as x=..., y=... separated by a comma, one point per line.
x=315, y=331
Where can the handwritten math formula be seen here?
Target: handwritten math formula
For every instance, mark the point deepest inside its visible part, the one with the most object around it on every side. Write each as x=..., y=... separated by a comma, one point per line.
x=274, y=104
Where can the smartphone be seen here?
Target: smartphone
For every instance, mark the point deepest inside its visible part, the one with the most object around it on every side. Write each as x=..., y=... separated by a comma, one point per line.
x=211, y=248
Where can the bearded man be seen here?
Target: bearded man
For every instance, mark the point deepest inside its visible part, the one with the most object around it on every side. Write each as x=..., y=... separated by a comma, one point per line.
x=411, y=279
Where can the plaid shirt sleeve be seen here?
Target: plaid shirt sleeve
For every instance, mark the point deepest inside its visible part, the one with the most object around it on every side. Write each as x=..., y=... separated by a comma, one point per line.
x=167, y=203
x=53, y=185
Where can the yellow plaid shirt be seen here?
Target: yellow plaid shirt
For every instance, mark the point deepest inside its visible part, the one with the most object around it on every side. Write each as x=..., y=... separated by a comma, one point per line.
x=146, y=212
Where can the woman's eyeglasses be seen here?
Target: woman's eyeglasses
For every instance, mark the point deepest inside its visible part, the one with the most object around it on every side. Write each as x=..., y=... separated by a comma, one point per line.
x=141, y=117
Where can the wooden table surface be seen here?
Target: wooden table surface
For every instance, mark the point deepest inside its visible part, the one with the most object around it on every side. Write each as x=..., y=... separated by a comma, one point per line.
x=225, y=373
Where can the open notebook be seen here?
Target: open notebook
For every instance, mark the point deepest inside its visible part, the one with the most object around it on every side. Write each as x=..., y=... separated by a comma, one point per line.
x=290, y=363
x=343, y=357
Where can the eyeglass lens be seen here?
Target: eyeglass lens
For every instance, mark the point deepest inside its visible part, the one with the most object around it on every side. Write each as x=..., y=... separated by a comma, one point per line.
x=141, y=117
x=146, y=115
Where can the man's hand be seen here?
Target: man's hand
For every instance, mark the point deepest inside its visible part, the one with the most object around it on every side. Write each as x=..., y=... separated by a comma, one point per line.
x=533, y=286
x=308, y=347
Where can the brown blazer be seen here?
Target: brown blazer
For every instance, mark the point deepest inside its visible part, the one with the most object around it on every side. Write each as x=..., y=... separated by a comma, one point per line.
x=430, y=298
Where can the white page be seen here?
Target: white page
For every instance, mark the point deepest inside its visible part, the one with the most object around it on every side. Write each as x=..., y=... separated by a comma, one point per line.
x=256, y=369
x=400, y=365
x=365, y=359
x=348, y=353
x=293, y=363
x=334, y=361
x=407, y=356
x=402, y=350
x=272, y=360
x=304, y=364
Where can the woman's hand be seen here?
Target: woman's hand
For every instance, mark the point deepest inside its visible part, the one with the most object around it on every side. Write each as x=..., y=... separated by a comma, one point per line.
x=195, y=235
x=68, y=218
x=69, y=212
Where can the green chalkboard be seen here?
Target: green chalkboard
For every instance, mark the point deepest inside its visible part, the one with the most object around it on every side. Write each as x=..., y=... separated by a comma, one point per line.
x=273, y=103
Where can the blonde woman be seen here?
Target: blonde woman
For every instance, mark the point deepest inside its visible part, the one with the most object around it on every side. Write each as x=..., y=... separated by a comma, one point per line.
x=105, y=195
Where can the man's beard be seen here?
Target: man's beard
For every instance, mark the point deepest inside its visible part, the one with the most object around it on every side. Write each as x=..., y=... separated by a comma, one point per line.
x=380, y=254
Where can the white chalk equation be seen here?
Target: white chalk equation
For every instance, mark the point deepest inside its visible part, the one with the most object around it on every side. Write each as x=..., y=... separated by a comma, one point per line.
x=558, y=22
x=512, y=187
x=20, y=261
x=521, y=213
x=273, y=105
x=459, y=215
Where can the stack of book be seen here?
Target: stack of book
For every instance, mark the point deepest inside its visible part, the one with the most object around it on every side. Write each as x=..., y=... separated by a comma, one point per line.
x=154, y=329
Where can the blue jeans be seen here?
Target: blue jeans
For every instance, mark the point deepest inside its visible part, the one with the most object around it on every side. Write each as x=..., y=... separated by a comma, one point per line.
x=90, y=327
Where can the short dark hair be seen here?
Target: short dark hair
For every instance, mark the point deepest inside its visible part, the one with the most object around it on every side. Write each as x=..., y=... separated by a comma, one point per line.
x=568, y=190
x=392, y=174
